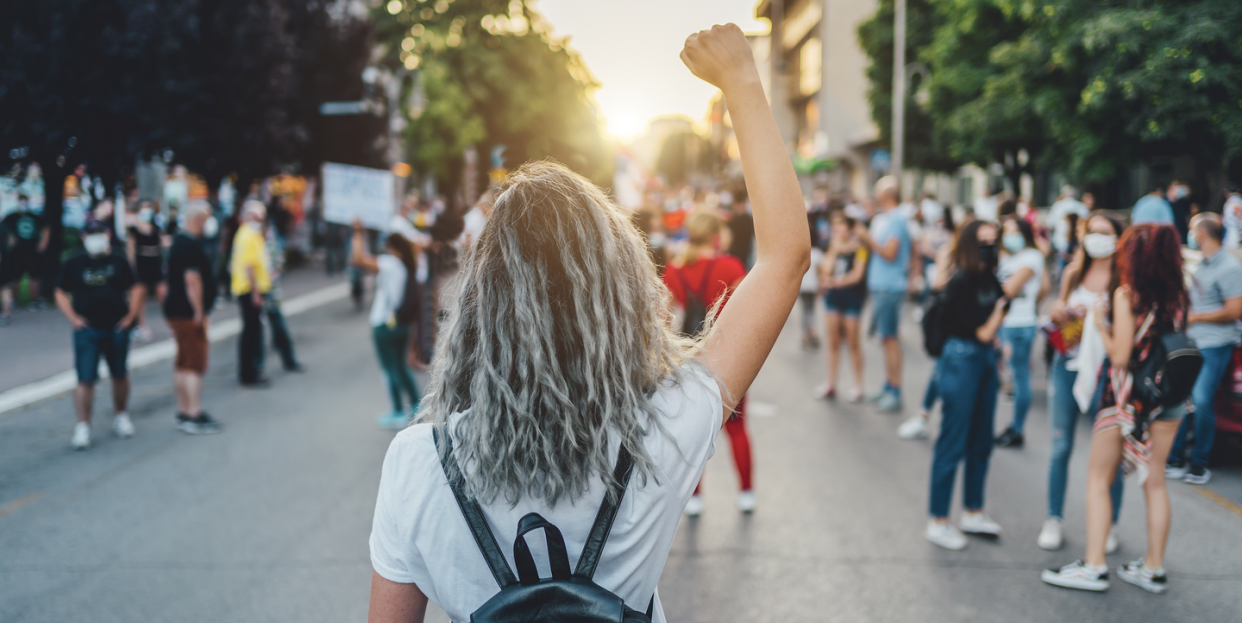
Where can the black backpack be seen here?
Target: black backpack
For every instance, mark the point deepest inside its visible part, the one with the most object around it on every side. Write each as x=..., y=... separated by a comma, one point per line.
x=565, y=596
x=1168, y=375
x=411, y=306
x=935, y=323
x=696, y=303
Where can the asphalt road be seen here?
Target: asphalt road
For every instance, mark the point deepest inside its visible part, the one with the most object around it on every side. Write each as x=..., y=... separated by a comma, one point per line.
x=269, y=520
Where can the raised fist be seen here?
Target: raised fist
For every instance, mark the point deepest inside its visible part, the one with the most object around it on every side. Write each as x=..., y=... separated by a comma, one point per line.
x=720, y=55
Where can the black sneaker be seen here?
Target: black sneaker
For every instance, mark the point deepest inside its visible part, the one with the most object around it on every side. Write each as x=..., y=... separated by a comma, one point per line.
x=1010, y=439
x=1144, y=577
x=1198, y=475
x=204, y=424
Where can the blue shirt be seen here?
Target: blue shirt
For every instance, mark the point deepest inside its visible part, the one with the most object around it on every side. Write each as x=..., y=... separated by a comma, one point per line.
x=883, y=275
x=1152, y=209
x=1218, y=279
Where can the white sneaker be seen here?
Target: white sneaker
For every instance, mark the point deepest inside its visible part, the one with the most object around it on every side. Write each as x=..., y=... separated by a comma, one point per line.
x=913, y=428
x=746, y=501
x=694, y=507
x=1050, y=537
x=856, y=395
x=979, y=523
x=122, y=426
x=81, y=436
x=1111, y=545
x=143, y=334
x=1144, y=577
x=1078, y=575
x=945, y=535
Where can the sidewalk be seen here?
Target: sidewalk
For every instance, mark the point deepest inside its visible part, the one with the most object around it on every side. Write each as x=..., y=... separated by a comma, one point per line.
x=38, y=344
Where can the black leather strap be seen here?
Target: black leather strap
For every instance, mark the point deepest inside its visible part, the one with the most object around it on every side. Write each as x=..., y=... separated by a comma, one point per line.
x=603, y=520
x=474, y=516
x=558, y=556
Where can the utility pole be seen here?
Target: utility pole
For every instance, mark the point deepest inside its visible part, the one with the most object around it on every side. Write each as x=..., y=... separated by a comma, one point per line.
x=899, y=88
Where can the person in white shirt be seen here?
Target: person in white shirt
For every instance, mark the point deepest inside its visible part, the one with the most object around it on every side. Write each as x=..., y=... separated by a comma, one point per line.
x=558, y=362
x=1020, y=272
x=1231, y=214
x=986, y=206
x=475, y=220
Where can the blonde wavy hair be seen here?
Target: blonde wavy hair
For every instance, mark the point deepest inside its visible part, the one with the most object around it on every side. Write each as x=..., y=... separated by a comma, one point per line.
x=555, y=341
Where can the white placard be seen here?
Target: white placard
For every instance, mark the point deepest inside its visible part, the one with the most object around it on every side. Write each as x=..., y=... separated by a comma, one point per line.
x=357, y=192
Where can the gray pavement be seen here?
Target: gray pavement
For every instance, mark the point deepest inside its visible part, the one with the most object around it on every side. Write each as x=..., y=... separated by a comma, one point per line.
x=269, y=520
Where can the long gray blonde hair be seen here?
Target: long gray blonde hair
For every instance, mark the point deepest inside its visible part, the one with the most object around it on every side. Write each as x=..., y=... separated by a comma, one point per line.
x=556, y=339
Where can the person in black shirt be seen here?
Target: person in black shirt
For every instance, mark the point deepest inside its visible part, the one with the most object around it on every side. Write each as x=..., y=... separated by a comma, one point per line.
x=967, y=376
x=24, y=241
x=97, y=293
x=145, y=249
x=191, y=295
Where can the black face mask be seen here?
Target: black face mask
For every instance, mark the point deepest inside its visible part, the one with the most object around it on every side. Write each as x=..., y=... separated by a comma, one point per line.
x=990, y=254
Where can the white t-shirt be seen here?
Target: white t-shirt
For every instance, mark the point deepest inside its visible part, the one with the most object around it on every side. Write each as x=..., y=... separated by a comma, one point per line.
x=986, y=209
x=473, y=226
x=810, y=281
x=419, y=535
x=1022, y=312
x=1231, y=215
x=389, y=288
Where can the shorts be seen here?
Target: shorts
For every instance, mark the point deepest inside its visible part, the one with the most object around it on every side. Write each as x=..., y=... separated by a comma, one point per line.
x=89, y=344
x=845, y=302
x=150, y=277
x=887, y=312
x=191, y=339
x=22, y=263
x=1172, y=414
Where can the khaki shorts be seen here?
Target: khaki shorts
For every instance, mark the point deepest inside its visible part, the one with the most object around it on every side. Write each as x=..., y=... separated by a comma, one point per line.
x=192, y=345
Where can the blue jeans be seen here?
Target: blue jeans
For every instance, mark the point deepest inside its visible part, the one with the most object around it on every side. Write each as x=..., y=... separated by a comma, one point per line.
x=1020, y=340
x=1064, y=412
x=932, y=393
x=89, y=344
x=391, y=344
x=1215, y=362
x=887, y=312
x=966, y=374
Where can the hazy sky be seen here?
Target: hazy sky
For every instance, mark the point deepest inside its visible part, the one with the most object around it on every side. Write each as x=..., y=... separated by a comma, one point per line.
x=631, y=46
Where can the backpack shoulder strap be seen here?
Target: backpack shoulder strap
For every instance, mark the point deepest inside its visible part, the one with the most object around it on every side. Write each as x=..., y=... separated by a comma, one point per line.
x=474, y=515
x=603, y=520
x=707, y=279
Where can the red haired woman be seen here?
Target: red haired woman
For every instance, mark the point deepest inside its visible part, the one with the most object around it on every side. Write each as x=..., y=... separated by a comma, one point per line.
x=1150, y=301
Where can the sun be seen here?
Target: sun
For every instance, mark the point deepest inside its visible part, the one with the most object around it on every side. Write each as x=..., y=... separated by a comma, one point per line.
x=624, y=125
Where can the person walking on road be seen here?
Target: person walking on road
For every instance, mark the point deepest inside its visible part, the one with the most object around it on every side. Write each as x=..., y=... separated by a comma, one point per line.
x=396, y=305
x=144, y=246
x=251, y=280
x=888, y=279
x=1150, y=301
x=190, y=298
x=560, y=388
x=1215, y=308
x=97, y=292
x=25, y=240
x=282, y=339
x=1088, y=280
x=843, y=278
x=1021, y=273
x=975, y=305
x=702, y=278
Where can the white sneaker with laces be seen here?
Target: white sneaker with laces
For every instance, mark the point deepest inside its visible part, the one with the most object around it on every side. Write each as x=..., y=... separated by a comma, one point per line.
x=979, y=523
x=1051, y=537
x=694, y=507
x=856, y=394
x=1144, y=577
x=1175, y=472
x=1111, y=544
x=1078, y=575
x=122, y=426
x=81, y=436
x=913, y=428
x=746, y=501
x=945, y=535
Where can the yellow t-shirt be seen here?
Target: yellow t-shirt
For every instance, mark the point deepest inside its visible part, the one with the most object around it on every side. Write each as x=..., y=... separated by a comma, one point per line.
x=249, y=252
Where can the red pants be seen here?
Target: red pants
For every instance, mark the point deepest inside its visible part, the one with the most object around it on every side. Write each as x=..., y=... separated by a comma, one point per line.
x=736, y=427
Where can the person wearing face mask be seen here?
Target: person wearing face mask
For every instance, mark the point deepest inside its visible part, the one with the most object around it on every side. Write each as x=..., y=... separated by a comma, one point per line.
x=1089, y=279
x=97, y=292
x=145, y=249
x=966, y=372
x=251, y=281
x=1021, y=273
x=24, y=241
x=191, y=295
x=1179, y=201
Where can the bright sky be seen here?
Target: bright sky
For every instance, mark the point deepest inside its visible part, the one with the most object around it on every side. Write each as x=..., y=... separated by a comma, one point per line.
x=632, y=47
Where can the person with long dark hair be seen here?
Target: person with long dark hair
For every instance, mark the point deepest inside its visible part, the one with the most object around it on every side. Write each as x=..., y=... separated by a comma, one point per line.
x=967, y=377
x=1150, y=301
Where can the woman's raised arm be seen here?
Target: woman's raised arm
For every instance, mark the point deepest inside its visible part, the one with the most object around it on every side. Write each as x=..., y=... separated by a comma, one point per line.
x=747, y=327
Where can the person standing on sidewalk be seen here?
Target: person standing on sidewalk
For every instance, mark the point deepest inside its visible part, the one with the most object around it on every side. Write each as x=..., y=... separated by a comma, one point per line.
x=191, y=295
x=97, y=292
x=144, y=246
x=1215, y=308
x=888, y=279
x=251, y=280
x=842, y=276
x=282, y=340
x=967, y=378
x=25, y=239
x=1021, y=274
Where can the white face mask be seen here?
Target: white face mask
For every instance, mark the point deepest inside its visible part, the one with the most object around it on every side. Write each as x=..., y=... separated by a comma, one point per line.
x=1099, y=245
x=211, y=227
x=96, y=244
x=255, y=226
x=145, y=215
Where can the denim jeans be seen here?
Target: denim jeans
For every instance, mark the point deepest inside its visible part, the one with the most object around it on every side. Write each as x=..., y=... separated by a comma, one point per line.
x=1020, y=340
x=281, y=338
x=1064, y=412
x=932, y=393
x=91, y=344
x=966, y=374
x=250, y=343
x=390, y=346
x=1215, y=362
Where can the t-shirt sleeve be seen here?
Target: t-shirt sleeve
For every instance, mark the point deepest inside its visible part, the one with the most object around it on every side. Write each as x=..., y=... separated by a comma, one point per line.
x=732, y=270
x=1231, y=282
x=393, y=552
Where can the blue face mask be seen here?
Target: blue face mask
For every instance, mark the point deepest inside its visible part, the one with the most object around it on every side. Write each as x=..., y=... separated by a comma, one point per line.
x=1192, y=242
x=1013, y=242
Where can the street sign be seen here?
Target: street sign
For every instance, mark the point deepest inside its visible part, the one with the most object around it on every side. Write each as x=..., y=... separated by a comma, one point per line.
x=344, y=108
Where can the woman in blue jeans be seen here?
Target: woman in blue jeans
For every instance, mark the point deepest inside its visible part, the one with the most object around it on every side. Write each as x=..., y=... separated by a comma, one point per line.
x=1021, y=271
x=967, y=377
x=1088, y=280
